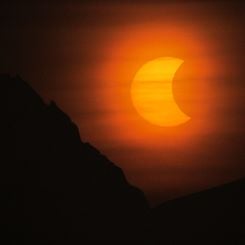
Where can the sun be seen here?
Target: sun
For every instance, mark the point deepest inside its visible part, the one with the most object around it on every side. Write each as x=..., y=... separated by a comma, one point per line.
x=152, y=92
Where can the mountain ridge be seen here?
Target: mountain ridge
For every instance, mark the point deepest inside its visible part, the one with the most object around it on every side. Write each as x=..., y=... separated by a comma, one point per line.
x=57, y=189
x=211, y=216
x=56, y=179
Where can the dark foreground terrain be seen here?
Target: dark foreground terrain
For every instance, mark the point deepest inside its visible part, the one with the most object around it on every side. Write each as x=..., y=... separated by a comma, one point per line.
x=56, y=189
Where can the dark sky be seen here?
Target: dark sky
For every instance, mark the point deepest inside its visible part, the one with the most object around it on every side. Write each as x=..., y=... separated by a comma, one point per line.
x=84, y=56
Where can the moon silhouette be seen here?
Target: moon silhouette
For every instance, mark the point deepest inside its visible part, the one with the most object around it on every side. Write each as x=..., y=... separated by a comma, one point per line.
x=152, y=92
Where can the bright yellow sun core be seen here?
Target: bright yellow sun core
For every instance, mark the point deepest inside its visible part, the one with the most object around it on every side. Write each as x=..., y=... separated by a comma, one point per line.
x=152, y=92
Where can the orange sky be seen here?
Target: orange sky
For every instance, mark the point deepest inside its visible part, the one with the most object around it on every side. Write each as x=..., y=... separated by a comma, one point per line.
x=85, y=56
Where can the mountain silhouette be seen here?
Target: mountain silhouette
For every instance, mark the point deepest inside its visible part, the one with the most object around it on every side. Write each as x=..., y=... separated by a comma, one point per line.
x=57, y=189
x=214, y=216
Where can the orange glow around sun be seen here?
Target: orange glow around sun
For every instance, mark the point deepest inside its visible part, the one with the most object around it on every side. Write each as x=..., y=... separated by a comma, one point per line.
x=191, y=87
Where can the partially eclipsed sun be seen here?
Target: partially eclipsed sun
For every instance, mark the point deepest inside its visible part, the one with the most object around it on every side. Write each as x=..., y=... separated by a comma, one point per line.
x=152, y=92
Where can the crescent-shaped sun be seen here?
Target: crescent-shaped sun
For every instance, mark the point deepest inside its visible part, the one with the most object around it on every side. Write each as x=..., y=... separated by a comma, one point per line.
x=152, y=92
